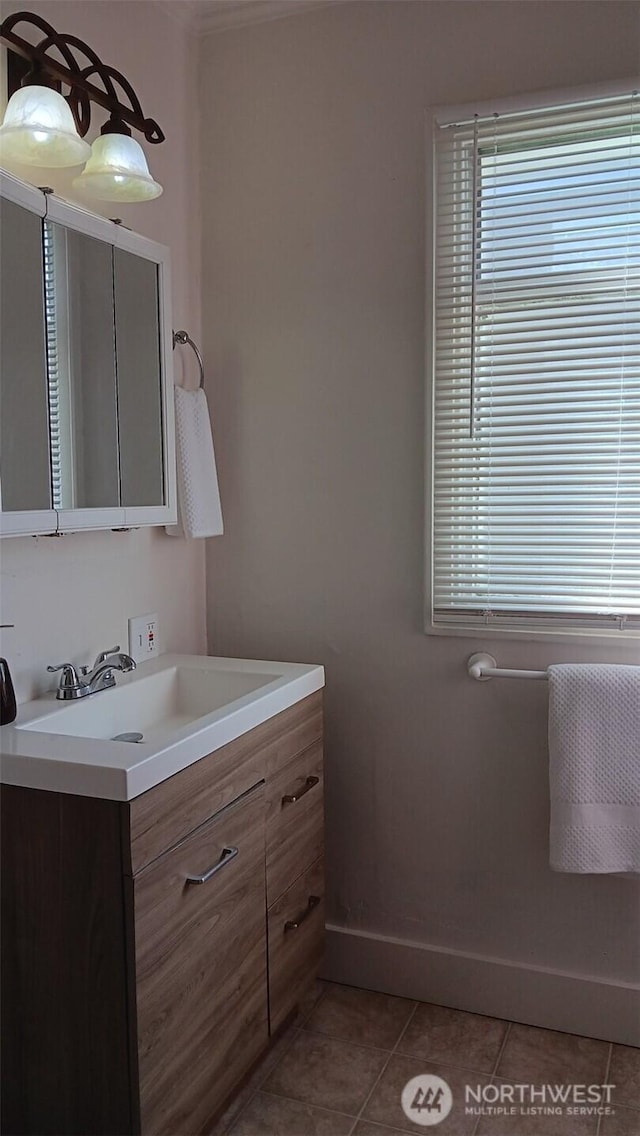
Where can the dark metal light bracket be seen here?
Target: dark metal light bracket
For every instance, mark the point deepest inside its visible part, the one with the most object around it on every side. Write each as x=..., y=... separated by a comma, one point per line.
x=76, y=75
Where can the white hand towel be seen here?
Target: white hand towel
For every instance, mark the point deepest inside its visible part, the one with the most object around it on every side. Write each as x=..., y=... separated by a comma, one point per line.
x=594, y=751
x=199, y=508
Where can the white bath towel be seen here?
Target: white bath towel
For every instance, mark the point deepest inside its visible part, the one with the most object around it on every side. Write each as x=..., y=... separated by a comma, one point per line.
x=199, y=508
x=594, y=751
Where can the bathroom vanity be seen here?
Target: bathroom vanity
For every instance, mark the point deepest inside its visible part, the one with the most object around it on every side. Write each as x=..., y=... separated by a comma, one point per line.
x=154, y=940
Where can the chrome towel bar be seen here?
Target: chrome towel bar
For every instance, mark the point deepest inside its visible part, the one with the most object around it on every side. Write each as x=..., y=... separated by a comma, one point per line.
x=483, y=666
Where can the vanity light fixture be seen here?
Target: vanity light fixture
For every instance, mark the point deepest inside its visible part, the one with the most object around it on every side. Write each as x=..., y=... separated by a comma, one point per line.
x=38, y=130
x=117, y=169
x=43, y=127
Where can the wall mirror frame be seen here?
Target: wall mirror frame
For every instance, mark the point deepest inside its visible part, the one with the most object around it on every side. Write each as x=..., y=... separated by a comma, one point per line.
x=114, y=467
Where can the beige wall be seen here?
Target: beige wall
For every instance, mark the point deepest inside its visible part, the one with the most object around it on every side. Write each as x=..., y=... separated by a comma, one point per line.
x=313, y=176
x=71, y=596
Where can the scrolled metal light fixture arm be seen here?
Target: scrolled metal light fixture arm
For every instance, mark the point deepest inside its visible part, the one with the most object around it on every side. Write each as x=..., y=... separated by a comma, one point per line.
x=82, y=92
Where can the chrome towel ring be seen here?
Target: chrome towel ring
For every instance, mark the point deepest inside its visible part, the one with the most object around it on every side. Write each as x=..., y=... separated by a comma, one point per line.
x=182, y=337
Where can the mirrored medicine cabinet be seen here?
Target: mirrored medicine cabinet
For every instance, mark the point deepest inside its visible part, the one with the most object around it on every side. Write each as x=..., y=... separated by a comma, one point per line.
x=86, y=406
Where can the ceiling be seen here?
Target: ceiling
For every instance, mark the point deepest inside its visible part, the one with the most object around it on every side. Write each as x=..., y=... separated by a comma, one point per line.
x=204, y=16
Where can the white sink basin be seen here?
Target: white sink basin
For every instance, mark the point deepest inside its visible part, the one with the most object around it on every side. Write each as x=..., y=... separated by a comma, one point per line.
x=185, y=707
x=154, y=705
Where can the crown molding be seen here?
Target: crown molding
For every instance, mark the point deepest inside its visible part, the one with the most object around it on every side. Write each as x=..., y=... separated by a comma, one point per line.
x=204, y=17
x=178, y=11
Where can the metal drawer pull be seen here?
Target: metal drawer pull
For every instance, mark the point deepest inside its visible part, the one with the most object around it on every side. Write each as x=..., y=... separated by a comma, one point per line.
x=293, y=924
x=291, y=798
x=227, y=855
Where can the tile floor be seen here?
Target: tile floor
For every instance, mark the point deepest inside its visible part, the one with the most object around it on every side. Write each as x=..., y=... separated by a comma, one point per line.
x=340, y=1069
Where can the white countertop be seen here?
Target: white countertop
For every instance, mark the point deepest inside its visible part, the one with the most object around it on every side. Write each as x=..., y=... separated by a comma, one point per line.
x=96, y=766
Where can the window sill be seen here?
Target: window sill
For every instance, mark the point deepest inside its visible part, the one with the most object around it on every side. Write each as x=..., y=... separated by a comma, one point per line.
x=586, y=636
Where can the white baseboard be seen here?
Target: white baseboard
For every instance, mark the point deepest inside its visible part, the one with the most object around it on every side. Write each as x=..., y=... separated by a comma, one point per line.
x=573, y=1003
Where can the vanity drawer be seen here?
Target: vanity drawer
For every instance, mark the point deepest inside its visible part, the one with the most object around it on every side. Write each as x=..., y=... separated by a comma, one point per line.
x=200, y=964
x=296, y=942
x=301, y=727
x=164, y=815
x=295, y=819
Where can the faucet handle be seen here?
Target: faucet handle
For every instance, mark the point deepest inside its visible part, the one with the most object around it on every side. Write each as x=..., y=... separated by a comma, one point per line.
x=104, y=655
x=69, y=675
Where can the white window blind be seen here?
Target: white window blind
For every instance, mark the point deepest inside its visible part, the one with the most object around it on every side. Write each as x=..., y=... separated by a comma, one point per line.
x=536, y=358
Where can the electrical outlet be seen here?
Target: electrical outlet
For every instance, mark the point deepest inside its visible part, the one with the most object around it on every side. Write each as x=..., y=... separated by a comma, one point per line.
x=143, y=637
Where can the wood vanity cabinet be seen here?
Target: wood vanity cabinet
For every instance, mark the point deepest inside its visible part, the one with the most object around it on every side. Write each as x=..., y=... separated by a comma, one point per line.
x=139, y=986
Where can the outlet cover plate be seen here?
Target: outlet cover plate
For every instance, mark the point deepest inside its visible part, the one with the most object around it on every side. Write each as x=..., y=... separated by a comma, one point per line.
x=143, y=637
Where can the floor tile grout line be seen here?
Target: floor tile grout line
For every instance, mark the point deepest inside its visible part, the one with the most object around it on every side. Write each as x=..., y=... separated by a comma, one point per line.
x=371, y=1091
x=406, y=1026
x=606, y=1082
x=435, y=1059
x=384, y=1127
x=306, y=1104
x=608, y=1065
x=347, y=1040
x=494, y=1071
x=384, y=1067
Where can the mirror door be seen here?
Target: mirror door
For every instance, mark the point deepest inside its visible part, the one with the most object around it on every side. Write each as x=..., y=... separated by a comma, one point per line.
x=24, y=409
x=80, y=333
x=137, y=318
x=86, y=397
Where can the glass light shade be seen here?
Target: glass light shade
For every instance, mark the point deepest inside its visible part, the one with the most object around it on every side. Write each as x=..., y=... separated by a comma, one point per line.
x=38, y=130
x=117, y=171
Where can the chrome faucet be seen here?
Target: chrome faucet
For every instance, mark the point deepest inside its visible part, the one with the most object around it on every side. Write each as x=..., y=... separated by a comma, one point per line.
x=90, y=680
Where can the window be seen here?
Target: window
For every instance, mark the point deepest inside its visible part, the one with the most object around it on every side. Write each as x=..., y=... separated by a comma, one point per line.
x=535, y=519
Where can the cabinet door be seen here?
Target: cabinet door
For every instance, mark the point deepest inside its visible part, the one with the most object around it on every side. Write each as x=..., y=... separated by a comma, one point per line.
x=296, y=942
x=200, y=956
